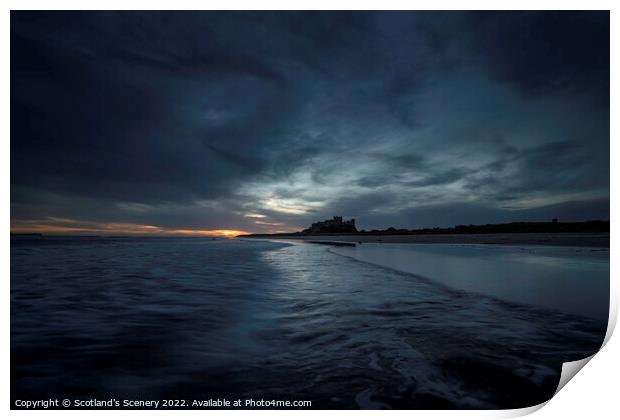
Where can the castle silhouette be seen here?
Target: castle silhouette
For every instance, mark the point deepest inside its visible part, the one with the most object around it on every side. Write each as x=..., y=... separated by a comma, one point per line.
x=335, y=225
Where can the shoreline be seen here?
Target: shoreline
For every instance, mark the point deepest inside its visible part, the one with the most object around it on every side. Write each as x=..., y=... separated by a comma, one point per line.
x=509, y=273
x=586, y=239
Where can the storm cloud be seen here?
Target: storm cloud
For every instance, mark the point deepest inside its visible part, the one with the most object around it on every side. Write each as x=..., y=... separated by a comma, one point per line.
x=267, y=121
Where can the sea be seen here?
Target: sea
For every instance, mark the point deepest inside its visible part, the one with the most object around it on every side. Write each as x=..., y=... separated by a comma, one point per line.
x=201, y=319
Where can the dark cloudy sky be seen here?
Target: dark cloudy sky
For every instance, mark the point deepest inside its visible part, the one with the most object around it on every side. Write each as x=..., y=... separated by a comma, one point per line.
x=197, y=121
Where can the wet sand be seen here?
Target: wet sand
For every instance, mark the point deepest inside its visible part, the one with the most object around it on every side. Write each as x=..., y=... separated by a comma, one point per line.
x=594, y=240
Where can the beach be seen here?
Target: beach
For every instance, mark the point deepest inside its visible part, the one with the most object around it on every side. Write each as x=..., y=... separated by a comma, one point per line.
x=594, y=239
x=571, y=280
x=566, y=272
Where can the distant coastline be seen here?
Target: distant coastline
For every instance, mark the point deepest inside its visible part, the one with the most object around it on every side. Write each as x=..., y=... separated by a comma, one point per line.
x=593, y=233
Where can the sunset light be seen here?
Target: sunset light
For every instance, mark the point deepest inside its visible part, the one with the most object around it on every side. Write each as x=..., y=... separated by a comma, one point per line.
x=67, y=226
x=217, y=232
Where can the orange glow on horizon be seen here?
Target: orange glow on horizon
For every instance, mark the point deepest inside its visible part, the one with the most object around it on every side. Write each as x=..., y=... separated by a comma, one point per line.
x=229, y=233
x=75, y=227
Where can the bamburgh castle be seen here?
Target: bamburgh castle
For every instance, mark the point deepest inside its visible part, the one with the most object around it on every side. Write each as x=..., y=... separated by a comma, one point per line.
x=335, y=225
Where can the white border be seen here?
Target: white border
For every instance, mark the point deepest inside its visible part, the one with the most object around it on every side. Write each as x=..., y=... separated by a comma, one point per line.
x=592, y=394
